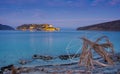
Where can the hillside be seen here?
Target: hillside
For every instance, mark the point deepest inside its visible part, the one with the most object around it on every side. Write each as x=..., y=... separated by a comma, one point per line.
x=107, y=26
x=5, y=27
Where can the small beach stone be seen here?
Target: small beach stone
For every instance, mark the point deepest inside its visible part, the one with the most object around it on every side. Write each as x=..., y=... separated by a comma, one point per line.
x=23, y=62
x=45, y=58
x=66, y=57
x=6, y=67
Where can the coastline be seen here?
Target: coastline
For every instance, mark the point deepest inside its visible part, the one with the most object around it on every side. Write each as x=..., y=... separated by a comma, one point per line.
x=71, y=68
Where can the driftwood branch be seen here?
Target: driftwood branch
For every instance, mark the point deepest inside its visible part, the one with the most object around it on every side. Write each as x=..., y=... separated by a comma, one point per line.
x=86, y=57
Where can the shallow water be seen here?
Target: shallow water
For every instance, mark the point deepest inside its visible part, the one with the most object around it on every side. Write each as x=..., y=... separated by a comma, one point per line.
x=16, y=45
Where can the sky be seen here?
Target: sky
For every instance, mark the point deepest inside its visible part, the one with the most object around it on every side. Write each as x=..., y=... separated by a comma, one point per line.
x=60, y=13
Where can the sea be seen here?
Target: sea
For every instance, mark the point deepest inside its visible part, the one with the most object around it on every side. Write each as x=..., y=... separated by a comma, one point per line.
x=22, y=45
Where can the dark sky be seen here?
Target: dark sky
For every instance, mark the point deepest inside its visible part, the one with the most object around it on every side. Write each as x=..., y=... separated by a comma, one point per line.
x=60, y=13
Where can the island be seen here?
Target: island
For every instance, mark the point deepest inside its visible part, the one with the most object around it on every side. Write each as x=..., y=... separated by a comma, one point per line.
x=37, y=27
x=6, y=27
x=106, y=26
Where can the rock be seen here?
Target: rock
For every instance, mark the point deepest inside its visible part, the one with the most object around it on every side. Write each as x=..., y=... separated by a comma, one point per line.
x=42, y=69
x=47, y=58
x=25, y=69
x=9, y=67
x=23, y=62
x=35, y=56
x=66, y=57
x=42, y=57
x=115, y=57
x=1, y=72
x=118, y=71
x=62, y=57
x=118, y=56
x=7, y=71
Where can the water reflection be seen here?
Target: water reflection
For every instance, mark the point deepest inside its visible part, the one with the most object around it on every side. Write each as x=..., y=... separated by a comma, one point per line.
x=49, y=42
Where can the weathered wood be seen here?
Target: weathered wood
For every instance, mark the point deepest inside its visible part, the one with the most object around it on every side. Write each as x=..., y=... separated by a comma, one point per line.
x=86, y=57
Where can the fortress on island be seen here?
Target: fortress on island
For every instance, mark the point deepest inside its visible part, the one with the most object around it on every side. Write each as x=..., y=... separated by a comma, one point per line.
x=38, y=27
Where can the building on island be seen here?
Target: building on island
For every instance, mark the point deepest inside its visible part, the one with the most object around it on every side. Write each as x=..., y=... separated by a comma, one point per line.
x=38, y=27
x=50, y=28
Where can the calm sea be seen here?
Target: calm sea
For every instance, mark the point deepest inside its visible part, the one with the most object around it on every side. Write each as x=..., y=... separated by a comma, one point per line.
x=16, y=45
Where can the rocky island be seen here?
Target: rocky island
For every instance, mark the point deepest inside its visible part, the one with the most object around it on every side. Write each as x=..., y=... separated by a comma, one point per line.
x=38, y=27
x=5, y=27
x=106, y=26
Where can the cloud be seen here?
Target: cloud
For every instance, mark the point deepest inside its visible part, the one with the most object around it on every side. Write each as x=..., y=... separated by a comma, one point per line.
x=18, y=1
x=75, y=20
x=114, y=2
x=37, y=13
x=54, y=3
x=31, y=13
x=96, y=2
x=1, y=21
x=105, y=2
x=77, y=3
x=65, y=3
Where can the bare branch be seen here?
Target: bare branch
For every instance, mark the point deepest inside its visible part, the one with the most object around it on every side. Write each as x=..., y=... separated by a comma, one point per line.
x=86, y=57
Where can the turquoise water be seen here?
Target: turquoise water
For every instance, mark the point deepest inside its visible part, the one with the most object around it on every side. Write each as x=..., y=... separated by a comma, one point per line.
x=16, y=45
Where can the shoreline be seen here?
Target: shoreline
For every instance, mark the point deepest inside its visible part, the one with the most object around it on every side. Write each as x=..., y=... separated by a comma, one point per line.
x=70, y=68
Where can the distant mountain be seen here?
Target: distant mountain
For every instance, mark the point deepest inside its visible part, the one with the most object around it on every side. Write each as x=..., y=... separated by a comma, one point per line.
x=107, y=26
x=5, y=27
